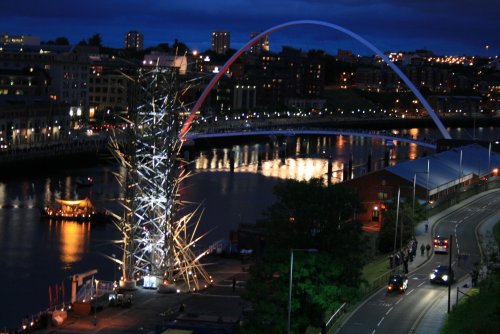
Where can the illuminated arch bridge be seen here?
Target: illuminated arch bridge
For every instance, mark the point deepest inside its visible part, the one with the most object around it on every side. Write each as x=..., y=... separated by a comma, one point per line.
x=225, y=67
x=195, y=136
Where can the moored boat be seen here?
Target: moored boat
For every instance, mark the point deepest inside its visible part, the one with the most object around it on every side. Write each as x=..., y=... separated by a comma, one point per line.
x=74, y=210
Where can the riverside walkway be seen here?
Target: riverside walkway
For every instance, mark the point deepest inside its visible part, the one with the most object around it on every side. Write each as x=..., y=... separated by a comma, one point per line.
x=52, y=149
x=219, y=306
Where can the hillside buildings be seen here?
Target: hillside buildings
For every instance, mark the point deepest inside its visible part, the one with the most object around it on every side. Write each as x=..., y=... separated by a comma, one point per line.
x=95, y=84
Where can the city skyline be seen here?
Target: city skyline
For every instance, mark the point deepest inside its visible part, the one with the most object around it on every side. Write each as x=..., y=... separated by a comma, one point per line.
x=447, y=27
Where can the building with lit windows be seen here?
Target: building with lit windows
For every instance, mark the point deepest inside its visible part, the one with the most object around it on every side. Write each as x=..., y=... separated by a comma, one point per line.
x=166, y=60
x=244, y=97
x=33, y=123
x=25, y=84
x=19, y=39
x=67, y=67
x=134, y=40
x=108, y=91
x=261, y=45
x=220, y=41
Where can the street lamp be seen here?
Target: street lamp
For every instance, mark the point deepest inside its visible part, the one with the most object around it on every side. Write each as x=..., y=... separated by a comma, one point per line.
x=415, y=184
x=311, y=250
x=396, y=228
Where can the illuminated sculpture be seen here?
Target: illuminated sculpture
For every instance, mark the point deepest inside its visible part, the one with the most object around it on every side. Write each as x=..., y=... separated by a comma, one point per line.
x=157, y=244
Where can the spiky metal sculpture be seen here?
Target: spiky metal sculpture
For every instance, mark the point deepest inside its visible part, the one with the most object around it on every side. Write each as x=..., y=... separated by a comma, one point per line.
x=156, y=242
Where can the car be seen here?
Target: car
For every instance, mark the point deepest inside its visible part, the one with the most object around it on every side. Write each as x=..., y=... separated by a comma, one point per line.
x=397, y=282
x=440, y=244
x=442, y=275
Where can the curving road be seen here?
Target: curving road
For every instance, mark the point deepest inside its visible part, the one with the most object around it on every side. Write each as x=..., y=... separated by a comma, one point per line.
x=400, y=313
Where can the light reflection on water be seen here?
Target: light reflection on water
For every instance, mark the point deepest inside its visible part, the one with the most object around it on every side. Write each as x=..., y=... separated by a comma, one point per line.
x=73, y=238
x=303, y=158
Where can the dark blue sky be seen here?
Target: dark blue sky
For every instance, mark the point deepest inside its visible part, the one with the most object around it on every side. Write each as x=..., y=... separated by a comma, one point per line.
x=451, y=27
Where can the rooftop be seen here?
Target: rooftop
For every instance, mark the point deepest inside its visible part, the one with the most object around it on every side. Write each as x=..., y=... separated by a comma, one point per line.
x=448, y=168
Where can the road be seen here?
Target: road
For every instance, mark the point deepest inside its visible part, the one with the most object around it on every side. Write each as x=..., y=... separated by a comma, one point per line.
x=400, y=313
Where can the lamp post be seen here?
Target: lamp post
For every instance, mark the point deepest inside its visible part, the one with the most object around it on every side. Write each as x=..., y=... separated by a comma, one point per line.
x=311, y=250
x=489, y=158
x=415, y=186
x=460, y=172
x=114, y=269
x=427, y=189
x=396, y=228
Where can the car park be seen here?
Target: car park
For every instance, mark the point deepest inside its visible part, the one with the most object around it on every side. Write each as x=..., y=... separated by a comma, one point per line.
x=397, y=282
x=442, y=275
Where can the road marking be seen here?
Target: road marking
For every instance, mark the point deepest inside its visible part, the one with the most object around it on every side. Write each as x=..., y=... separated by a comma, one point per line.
x=386, y=313
x=217, y=296
x=380, y=321
x=373, y=332
x=421, y=284
x=410, y=292
x=398, y=302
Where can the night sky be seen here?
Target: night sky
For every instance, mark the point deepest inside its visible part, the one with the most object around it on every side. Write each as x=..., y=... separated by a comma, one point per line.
x=447, y=27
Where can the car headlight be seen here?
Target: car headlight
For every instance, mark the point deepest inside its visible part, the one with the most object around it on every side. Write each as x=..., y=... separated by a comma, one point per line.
x=433, y=276
x=445, y=277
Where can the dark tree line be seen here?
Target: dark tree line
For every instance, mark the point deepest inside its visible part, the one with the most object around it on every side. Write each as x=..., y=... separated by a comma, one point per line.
x=307, y=216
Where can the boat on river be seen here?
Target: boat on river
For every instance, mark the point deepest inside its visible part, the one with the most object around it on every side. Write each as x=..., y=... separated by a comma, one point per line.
x=74, y=210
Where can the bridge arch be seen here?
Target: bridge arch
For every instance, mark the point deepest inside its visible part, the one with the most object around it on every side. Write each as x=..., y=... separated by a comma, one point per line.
x=238, y=53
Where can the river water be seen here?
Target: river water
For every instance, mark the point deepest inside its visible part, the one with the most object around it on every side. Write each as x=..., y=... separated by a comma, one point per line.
x=36, y=253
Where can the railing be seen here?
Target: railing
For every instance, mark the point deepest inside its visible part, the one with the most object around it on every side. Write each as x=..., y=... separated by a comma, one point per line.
x=90, y=144
x=93, y=289
x=290, y=130
x=463, y=193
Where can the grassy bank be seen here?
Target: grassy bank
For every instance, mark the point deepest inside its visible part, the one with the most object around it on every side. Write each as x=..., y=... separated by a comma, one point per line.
x=496, y=233
x=375, y=272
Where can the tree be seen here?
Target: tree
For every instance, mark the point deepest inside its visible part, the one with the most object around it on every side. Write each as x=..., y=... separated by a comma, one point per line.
x=406, y=221
x=95, y=40
x=162, y=47
x=306, y=215
x=57, y=41
x=61, y=41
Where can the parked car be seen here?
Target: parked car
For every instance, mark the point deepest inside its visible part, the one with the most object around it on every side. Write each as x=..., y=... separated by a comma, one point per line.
x=442, y=275
x=397, y=282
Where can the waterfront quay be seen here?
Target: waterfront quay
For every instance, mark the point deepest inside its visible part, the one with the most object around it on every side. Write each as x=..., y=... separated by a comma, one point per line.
x=216, y=309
